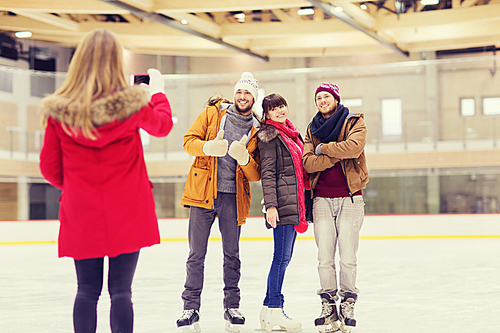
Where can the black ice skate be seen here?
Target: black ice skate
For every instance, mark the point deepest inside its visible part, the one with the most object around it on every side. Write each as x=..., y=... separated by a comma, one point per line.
x=189, y=321
x=234, y=320
x=347, y=321
x=328, y=320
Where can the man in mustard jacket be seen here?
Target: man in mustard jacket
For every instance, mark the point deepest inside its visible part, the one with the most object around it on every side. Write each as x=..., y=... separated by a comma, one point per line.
x=218, y=185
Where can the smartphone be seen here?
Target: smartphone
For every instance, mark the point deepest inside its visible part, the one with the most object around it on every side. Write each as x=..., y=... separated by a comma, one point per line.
x=141, y=78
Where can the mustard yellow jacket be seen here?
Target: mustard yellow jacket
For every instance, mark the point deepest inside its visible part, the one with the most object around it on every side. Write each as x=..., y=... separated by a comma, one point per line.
x=348, y=151
x=201, y=183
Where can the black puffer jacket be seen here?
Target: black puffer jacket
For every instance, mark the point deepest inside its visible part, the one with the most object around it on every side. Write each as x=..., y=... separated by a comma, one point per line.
x=279, y=179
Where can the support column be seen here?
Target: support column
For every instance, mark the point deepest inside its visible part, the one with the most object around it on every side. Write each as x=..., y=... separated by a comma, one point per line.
x=184, y=120
x=433, y=116
x=22, y=94
x=432, y=96
x=302, y=97
x=433, y=192
x=23, y=202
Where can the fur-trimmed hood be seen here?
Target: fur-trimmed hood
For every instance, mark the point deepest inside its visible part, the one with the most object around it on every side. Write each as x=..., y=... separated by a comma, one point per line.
x=267, y=133
x=117, y=106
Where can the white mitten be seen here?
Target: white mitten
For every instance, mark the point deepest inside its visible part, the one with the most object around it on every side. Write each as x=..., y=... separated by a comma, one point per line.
x=156, y=82
x=217, y=146
x=239, y=152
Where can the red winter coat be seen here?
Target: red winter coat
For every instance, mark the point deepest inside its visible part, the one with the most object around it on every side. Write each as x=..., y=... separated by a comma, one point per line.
x=106, y=206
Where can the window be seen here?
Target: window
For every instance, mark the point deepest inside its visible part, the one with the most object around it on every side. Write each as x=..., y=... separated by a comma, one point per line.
x=5, y=81
x=467, y=107
x=392, y=120
x=491, y=106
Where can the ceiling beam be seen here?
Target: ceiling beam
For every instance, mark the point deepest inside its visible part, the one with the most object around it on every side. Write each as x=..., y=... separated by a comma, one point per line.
x=331, y=11
x=155, y=17
x=195, y=6
x=60, y=6
x=281, y=15
x=440, y=17
x=356, y=13
x=184, y=6
x=198, y=23
x=50, y=19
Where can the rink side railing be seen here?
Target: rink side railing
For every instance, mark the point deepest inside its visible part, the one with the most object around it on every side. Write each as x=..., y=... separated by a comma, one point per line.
x=375, y=227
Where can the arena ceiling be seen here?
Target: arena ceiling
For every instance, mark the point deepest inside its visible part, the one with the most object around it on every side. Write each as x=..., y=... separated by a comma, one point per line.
x=262, y=28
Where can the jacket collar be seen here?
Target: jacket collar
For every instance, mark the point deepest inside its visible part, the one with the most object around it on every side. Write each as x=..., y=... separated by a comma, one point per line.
x=116, y=106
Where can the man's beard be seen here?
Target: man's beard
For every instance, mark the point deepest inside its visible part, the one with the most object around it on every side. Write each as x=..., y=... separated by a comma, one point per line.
x=245, y=110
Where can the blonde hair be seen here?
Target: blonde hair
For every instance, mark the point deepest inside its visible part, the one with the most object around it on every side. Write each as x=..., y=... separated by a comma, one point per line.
x=96, y=70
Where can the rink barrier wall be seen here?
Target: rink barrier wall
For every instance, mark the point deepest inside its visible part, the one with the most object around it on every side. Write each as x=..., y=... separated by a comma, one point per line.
x=375, y=227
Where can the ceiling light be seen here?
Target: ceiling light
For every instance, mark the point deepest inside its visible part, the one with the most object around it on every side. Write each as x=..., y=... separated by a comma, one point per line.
x=23, y=34
x=240, y=17
x=305, y=11
x=184, y=21
x=429, y=2
x=363, y=6
x=339, y=9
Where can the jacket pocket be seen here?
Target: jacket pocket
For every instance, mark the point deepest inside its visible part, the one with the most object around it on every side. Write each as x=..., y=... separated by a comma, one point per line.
x=197, y=184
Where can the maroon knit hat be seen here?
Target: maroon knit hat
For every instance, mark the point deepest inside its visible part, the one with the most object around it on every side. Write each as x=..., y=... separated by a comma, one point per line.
x=329, y=87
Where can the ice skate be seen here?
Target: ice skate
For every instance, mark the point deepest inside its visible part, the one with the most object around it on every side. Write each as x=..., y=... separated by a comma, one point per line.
x=234, y=320
x=347, y=321
x=189, y=322
x=328, y=320
x=277, y=317
x=262, y=317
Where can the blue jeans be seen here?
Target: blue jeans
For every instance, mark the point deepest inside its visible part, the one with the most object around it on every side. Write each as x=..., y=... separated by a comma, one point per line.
x=284, y=240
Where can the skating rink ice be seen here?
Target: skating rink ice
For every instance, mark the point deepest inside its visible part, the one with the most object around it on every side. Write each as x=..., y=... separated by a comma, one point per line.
x=416, y=273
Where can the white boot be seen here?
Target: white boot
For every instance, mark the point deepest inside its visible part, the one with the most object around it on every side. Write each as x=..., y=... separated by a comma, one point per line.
x=277, y=317
x=262, y=317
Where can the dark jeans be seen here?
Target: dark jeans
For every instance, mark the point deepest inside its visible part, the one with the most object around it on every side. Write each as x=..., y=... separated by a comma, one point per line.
x=89, y=274
x=284, y=240
x=200, y=223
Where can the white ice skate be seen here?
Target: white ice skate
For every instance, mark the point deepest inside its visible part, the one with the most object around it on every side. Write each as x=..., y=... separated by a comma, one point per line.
x=262, y=317
x=277, y=317
x=234, y=320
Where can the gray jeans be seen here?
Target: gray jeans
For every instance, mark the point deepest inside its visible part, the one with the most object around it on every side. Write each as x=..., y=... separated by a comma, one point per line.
x=338, y=221
x=200, y=223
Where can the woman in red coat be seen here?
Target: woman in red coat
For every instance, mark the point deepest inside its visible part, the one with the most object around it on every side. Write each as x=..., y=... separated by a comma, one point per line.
x=92, y=151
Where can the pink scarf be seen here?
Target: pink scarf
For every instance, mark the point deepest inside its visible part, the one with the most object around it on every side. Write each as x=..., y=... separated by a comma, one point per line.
x=290, y=134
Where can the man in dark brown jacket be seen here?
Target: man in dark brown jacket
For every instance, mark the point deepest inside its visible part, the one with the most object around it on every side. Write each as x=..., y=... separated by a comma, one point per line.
x=335, y=161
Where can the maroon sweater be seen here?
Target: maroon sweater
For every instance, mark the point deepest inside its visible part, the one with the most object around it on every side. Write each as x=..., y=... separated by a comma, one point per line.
x=332, y=183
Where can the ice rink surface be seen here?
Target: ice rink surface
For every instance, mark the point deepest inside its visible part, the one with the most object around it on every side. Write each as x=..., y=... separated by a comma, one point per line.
x=407, y=284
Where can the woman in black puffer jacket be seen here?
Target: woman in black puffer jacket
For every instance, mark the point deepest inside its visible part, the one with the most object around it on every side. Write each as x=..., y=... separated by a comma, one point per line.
x=280, y=147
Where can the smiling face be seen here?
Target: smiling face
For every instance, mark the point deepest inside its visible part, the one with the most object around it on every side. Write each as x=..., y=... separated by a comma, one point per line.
x=326, y=103
x=278, y=114
x=275, y=108
x=243, y=101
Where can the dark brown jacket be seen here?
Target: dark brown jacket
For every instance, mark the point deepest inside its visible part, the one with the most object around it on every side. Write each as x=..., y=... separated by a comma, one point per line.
x=279, y=178
x=348, y=150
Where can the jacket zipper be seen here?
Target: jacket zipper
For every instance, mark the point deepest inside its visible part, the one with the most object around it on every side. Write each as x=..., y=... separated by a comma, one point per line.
x=342, y=166
x=215, y=162
x=296, y=182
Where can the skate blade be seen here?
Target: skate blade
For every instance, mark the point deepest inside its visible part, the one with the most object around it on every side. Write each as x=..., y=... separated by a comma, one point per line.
x=330, y=328
x=194, y=328
x=345, y=328
x=278, y=328
x=233, y=328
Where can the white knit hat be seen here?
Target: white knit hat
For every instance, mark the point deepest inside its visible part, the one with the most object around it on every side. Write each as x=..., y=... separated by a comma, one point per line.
x=247, y=82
